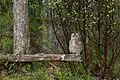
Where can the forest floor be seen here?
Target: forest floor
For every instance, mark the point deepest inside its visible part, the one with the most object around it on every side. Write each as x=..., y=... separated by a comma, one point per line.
x=41, y=71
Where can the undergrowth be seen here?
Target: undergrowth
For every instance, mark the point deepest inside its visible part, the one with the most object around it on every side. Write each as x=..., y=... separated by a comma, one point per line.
x=40, y=71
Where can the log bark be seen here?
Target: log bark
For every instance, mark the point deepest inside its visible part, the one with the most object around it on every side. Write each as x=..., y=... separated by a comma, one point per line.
x=41, y=57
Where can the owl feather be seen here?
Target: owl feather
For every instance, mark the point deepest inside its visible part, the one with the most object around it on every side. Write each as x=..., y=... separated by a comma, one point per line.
x=75, y=45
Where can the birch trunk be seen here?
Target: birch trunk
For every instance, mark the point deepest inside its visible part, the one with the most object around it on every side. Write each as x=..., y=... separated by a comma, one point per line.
x=21, y=30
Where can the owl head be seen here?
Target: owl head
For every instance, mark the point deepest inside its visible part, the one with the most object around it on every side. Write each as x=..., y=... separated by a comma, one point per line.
x=75, y=36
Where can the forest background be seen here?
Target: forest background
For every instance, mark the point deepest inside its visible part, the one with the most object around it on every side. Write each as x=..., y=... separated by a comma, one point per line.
x=51, y=23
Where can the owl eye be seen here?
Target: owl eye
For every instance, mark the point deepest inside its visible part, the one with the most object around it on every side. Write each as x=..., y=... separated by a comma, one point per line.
x=77, y=35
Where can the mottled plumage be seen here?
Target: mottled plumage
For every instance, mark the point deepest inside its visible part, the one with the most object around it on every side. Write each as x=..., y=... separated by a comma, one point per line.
x=75, y=45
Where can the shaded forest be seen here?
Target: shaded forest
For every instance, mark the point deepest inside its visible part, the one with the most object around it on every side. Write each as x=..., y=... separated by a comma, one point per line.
x=50, y=24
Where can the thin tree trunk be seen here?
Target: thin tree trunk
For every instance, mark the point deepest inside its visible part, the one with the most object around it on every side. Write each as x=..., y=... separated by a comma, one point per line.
x=21, y=30
x=105, y=53
x=0, y=74
x=99, y=54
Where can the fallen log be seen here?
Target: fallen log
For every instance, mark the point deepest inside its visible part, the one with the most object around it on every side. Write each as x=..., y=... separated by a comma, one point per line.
x=45, y=57
x=42, y=57
x=37, y=58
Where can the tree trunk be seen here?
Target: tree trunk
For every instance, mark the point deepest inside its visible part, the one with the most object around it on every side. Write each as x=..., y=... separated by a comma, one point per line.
x=21, y=30
x=0, y=74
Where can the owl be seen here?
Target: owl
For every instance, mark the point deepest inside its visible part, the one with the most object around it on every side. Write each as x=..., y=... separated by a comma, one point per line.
x=75, y=45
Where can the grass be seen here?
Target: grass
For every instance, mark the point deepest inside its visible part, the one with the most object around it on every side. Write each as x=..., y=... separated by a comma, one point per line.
x=42, y=72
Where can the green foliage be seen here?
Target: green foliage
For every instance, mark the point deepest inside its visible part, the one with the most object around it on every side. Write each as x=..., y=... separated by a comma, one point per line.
x=96, y=20
x=84, y=17
x=38, y=31
x=35, y=22
x=7, y=45
x=6, y=21
x=41, y=72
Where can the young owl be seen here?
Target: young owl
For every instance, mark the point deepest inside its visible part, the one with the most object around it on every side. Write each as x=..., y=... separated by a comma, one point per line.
x=75, y=45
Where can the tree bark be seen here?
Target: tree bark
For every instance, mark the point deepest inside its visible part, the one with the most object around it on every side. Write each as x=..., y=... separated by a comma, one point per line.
x=0, y=74
x=21, y=29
